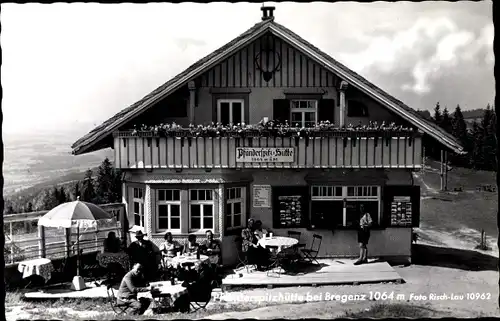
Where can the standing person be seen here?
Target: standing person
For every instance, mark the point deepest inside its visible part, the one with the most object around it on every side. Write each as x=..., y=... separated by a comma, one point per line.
x=256, y=254
x=146, y=253
x=365, y=222
x=211, y=248
x=132, y=283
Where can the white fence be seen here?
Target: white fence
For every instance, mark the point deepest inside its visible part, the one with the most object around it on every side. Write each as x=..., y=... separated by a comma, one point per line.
x=25, y=240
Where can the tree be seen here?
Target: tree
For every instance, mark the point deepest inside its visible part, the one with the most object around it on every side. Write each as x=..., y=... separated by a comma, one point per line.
x=446, y=120
x=105, y=175
x=50, y=199
x=116, y=187
x=76, y=191
x=477, y=150
x=63, y=198
x=88, y=191
x=459, y=130
x=488, y=124
x=437, y=114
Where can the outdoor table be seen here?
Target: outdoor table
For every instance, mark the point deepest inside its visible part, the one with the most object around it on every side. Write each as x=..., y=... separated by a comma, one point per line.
x=42, y=267
x=281, y=242
x=166, y=294
x=120, y=258
x=178, y=260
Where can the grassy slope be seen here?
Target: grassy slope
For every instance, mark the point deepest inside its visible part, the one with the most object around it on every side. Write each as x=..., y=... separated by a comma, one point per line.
x=463, y=214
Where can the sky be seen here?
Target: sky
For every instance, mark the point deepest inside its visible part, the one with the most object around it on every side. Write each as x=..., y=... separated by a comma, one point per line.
x=69, y=67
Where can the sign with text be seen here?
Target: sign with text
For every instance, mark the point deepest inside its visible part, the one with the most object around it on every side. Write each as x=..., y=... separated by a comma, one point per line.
x=264, y=155
x=261, y=196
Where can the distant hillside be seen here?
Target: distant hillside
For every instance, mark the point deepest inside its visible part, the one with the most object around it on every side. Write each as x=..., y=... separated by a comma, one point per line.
x=473, y=114
x=36, y=193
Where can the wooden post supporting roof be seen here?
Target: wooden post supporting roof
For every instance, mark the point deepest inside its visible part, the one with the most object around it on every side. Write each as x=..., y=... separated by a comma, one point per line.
x=192, y=101
x=443, y=173
x=342, y=89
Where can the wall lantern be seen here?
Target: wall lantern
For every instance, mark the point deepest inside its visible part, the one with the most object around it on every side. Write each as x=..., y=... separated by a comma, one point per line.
x=268, y=62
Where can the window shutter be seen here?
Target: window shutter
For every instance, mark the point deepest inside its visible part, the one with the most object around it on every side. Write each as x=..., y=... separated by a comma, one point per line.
x=281, y=110
x=326, y=109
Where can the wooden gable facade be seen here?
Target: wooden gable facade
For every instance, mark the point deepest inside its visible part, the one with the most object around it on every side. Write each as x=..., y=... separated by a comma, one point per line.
x=293, y=68
x=241, y=76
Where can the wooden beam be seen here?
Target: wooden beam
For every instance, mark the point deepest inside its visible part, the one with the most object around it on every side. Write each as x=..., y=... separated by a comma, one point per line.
x=342, y=89
x=192, y=101
x=441, y=172
x=41, y=241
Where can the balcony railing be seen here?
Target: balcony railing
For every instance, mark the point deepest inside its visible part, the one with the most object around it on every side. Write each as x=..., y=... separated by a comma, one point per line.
x=338, y=149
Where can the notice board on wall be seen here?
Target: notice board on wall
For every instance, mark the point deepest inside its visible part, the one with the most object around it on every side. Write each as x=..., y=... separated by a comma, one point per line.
x=290, y=207
x=402, y=206
x=401, y=213
x=262, y=196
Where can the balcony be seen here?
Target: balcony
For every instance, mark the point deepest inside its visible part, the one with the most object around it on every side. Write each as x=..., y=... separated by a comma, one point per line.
x=336, y=149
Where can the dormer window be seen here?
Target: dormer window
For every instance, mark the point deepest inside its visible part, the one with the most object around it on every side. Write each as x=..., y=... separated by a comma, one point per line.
x=356, y=109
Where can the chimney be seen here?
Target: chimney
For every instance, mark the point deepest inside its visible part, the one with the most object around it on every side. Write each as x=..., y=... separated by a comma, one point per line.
x=267, y=13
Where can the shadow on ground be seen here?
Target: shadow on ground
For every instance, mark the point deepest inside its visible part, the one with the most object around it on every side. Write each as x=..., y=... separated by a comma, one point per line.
x=468, y=260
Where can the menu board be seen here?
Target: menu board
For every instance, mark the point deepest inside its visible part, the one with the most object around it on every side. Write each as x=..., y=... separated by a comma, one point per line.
x=261, y=195
x=401, y=211
x=290, y=211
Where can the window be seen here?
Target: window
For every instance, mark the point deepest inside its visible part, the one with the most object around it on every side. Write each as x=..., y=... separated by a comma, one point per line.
x=366, y=196
x=235, y=205
x=138, y=206
x=230, y=111
x=201, y=207
x=356, y=109
x=334, y=206
x=304, y=113
x=168, y=209
x=327, y=207
x=362, y=191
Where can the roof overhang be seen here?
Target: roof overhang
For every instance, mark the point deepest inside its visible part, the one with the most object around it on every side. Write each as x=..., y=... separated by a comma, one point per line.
x=86, y=143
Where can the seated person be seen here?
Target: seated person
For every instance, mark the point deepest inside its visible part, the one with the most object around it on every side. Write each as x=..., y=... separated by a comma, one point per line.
x=259, y=231
x=256, y=254
x=191, y=246
x=112, y=244
x=211, y=248
x=146, y=253
x=169, y=248
x=132, y=283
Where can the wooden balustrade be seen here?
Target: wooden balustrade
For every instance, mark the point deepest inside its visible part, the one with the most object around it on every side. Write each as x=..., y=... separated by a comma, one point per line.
x=349, y=150
x=37, y=244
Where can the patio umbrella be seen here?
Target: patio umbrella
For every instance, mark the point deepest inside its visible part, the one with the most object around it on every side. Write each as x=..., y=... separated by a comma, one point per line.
x=76, y=214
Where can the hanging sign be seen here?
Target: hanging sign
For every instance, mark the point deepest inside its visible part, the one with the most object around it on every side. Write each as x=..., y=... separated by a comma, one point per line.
x=261, y=195
x=264, y=155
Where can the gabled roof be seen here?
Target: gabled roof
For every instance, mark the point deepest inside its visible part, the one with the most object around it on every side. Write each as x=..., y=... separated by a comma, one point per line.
x=89, y=142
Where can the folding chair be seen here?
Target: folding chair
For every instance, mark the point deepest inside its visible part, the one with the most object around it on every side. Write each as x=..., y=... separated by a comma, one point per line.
x=283, y=260
x=118, y=308
x=200, y=292
x=311, y=253
x=188, y=271
x=275, y=260
x=242, y=258
x=296, y=235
